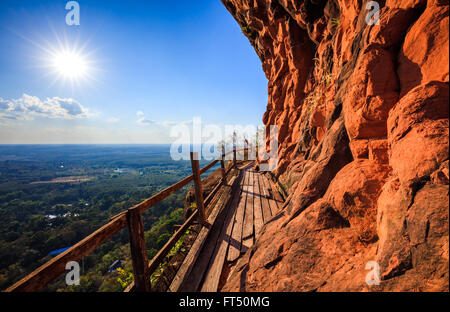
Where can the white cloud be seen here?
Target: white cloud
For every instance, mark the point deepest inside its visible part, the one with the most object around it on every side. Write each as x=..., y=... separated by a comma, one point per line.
x=145, y=121
x=113, y=120
x=169, y=123
x=165, y=123
x=4, y=105
x=27, y=107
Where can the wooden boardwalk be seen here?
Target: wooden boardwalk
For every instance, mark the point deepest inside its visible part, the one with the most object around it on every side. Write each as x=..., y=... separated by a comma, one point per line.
x=232, y=231
x=238, y=207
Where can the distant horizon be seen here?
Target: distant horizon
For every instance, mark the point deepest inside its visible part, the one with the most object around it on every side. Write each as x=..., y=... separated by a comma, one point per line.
x=78, y=144
x=12, y=144
x=126, y=74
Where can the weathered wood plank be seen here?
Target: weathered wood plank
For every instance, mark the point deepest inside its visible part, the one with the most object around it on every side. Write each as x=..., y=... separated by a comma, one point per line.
x=43, y=275
x=257, y=206
x=192, y=282
x=234, y=250
x=212, y=277
x=267, y=213
x=247, y=229
x=138, y=251
x=194, y=252
x=190, y=258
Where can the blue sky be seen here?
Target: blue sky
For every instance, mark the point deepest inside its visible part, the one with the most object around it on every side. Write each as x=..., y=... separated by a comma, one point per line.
x=150, y=64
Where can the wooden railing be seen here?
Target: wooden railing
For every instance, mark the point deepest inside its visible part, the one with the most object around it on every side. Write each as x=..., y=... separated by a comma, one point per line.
x=132, y=219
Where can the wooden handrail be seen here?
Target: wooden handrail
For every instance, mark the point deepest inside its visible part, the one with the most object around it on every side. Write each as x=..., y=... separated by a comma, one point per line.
x=212, y=193
x=52, y=269
x=146, y=204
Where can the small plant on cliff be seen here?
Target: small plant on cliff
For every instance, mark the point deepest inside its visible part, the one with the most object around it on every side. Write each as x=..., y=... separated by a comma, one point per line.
x=247, y=31
x=310, y=99
x=335, y=21
x=327, y=79
x=178, y=244
x=125, y=278
x=314, y=99
x=163, y=265
x=283, y=188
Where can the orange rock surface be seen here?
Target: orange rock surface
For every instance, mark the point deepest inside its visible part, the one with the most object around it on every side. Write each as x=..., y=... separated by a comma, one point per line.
x=363, y=118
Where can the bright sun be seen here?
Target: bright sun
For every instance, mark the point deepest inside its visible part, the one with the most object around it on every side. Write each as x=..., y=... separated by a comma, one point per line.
x=70, y=64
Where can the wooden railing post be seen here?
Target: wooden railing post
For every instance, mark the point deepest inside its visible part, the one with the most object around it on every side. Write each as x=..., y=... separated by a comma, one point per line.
x=222, y=167
x=234, y=149
x=138, y=251
x=198, y=186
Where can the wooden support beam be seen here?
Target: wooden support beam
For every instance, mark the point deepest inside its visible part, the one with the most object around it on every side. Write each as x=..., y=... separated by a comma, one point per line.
x=162, y=253
x=198, y=187
x=234, y=156
x=209, y=166
x=138, y=251
x=211, y=195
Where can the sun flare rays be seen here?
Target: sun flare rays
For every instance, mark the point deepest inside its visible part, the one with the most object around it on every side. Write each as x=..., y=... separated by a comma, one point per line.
x=65, y=60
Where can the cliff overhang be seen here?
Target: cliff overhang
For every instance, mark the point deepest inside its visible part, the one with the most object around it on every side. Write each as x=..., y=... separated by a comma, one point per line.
x=362, y=113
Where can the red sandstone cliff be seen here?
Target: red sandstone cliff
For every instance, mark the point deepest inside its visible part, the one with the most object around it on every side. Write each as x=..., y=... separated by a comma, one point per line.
x=363, y=121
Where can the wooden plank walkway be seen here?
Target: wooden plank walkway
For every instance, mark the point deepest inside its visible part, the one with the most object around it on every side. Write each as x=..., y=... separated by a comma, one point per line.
x=252, y=203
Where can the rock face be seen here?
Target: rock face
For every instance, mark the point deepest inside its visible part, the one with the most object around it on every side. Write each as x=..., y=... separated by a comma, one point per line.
x=363, y=118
